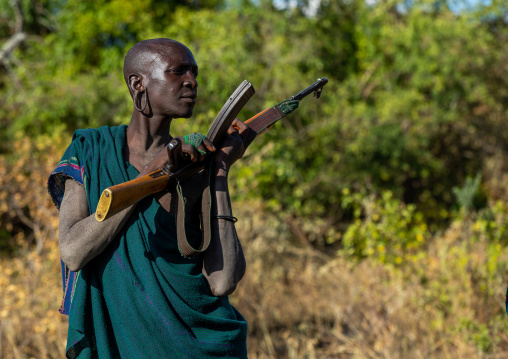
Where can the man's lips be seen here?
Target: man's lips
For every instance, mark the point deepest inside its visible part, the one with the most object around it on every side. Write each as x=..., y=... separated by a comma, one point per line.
x=190, y=97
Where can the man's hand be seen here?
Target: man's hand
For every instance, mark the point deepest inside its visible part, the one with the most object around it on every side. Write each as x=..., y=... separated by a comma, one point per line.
x=178, y=154
x=191, y=148
x=238, y=139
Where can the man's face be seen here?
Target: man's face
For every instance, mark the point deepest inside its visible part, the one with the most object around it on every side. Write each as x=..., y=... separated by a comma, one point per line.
x=171, y=82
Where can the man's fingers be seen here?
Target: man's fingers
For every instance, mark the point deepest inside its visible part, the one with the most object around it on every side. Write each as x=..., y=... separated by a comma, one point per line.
x=232, y=130
x=191, y=152
x=241, y=126
x=248, y=134
x=209, y=145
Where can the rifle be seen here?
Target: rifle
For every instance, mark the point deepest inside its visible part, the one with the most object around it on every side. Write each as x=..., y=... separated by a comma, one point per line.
x=116, y=198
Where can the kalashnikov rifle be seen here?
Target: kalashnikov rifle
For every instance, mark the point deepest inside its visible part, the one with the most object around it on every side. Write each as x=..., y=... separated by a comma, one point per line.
x=116, y=198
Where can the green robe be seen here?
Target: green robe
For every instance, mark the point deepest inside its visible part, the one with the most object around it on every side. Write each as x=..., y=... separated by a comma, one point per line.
x=140, y=298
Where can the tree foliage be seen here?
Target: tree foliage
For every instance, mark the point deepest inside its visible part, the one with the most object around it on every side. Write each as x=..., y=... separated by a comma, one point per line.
x=416, y=102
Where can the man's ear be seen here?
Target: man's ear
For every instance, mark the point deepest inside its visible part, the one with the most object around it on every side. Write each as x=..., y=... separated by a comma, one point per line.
x=136, y=83
x=138, y=91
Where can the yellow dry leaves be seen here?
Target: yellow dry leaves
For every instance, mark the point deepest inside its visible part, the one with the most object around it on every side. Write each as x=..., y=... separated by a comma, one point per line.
x=30, y=276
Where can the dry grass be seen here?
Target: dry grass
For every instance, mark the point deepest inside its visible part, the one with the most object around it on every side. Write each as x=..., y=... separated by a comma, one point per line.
x=299, y=302
x=31, y=326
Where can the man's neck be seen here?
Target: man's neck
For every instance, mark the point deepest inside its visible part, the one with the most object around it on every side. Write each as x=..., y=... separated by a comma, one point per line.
x=146, y=137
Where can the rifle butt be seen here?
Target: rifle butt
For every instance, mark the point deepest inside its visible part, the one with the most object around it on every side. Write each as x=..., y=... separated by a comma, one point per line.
x=116, y=198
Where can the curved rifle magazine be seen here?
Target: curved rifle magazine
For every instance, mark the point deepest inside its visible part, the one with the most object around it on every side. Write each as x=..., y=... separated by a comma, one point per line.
x=229, y=111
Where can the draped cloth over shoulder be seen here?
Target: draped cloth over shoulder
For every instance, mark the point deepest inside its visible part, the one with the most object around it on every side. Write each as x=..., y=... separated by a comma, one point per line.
x=140, y=295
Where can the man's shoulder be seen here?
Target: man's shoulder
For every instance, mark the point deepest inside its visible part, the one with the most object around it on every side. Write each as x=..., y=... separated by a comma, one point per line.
x=96, y=143
x=96, y=134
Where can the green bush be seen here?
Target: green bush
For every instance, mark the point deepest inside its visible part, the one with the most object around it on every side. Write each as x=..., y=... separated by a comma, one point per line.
x=384, y=228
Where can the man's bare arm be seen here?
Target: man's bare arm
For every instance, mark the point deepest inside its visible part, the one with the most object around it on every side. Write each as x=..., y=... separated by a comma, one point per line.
x=81, y=238
x=224, y=261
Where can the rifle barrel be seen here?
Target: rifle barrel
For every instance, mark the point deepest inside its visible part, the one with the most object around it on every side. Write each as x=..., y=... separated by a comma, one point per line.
x=315, y=87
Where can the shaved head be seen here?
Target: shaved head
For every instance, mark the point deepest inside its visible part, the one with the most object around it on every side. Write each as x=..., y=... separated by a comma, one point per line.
x=161, y=74
x=143, y=54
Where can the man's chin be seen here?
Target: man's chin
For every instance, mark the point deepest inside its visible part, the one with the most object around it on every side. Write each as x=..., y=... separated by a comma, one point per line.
x=187, y=114
x=181, y=112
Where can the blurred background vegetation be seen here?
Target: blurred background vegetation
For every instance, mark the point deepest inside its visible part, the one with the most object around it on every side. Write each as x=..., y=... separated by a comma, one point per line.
x=374, y=220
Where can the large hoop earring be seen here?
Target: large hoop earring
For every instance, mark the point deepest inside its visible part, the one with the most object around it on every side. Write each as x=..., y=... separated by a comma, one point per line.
x=139, y=99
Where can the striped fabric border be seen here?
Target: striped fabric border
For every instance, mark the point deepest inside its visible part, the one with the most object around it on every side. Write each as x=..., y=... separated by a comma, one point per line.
x=68, y=168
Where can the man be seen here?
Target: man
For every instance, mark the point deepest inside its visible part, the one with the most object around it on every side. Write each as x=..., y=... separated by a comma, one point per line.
x=129, y=293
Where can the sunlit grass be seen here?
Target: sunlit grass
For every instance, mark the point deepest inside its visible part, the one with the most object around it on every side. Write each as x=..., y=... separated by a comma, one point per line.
x=443, y=300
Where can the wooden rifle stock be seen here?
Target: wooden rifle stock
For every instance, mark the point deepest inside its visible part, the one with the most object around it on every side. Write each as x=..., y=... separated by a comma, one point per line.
x=116, y=198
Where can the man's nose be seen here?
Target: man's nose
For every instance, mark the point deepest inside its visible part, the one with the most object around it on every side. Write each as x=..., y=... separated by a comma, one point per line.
x=190, y=80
